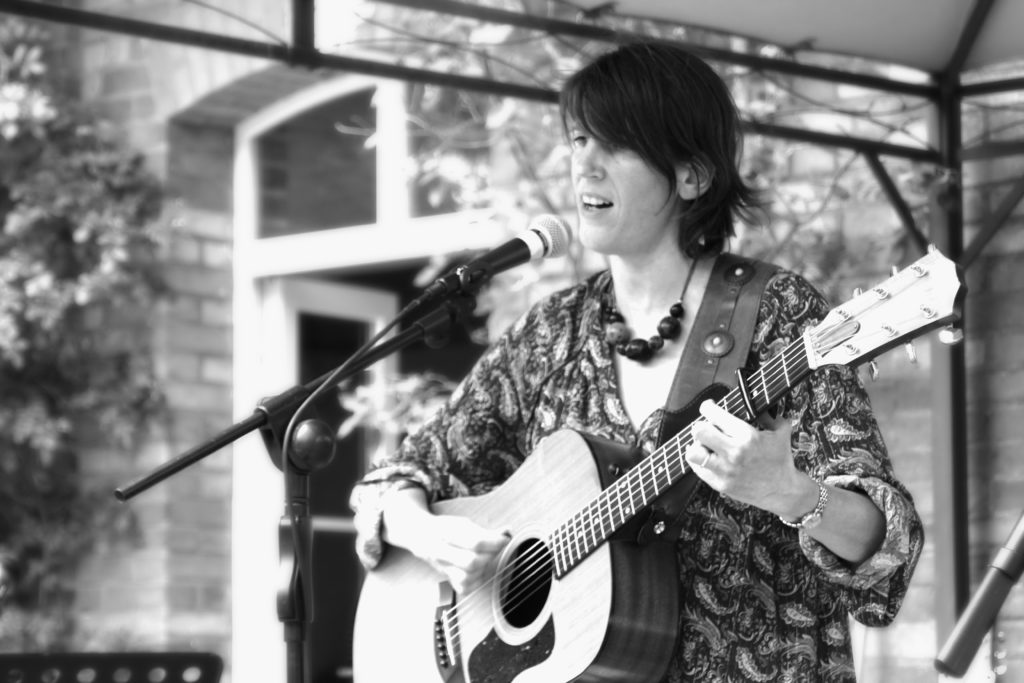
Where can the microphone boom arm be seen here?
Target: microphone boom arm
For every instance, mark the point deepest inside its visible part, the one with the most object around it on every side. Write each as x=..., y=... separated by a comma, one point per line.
x=432, y=328
x=1003, y=572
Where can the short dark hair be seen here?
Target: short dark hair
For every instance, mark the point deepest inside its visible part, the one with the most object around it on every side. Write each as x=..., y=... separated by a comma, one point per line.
x=670, y=107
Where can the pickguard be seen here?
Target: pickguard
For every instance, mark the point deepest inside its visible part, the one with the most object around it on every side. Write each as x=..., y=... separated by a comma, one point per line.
x=494, y=661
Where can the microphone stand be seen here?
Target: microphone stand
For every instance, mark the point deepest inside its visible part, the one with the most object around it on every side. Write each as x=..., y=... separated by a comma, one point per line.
x=311, y=448
x=1004, y=571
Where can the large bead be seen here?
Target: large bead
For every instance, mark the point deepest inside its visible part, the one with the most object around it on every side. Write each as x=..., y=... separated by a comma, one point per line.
x=669, y=327
x=637, y=349
x=677, y=310
x=616, y=332
x=655, y=343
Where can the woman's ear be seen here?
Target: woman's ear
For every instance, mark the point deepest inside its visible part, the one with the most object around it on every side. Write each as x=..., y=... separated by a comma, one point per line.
x=692, y=180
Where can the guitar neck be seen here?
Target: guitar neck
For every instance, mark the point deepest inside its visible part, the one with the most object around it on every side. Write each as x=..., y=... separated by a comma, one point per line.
x=591, y=526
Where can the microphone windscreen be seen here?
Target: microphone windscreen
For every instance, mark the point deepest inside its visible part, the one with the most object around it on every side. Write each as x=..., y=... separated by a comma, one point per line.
x=555, y=233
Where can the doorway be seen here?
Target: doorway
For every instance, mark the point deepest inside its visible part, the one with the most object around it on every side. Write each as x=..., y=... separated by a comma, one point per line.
x=307, y=328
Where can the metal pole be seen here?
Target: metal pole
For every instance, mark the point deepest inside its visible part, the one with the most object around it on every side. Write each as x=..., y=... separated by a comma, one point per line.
x=949, y=422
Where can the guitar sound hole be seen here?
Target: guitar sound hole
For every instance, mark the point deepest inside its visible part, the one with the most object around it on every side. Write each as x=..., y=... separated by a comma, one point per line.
x=527, y=583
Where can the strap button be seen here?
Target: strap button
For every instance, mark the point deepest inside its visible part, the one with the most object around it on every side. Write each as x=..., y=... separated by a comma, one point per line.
x=718, y=344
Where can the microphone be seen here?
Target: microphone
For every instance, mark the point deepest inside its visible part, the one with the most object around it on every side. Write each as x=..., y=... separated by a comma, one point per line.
x=1004, y=571
x=547, y=236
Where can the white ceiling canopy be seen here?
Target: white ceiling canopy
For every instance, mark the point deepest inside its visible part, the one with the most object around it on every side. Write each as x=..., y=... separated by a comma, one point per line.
x=922, y=34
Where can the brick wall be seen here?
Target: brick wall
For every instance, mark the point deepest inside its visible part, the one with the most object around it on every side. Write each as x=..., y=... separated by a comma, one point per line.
x=315, y=177
x=995, y=332
x=167, y=586
x=139, y=84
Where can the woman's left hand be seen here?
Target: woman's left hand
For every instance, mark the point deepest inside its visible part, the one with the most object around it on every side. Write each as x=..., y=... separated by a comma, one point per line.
x=748, y=464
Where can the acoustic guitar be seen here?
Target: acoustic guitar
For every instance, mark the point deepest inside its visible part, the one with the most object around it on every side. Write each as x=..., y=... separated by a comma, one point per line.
x=565, y=604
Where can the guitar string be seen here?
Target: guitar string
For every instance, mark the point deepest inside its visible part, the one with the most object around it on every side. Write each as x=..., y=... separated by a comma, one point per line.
x=535, y=571
x=662, y=465
x=733, y=404
x=535, y=579
x=542, y=557
x=572, y=528
x=543, y=560
x=587, y=515
x=538, y=566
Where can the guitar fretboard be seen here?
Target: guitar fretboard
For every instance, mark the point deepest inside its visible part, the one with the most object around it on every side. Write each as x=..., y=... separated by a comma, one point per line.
x=591, y=526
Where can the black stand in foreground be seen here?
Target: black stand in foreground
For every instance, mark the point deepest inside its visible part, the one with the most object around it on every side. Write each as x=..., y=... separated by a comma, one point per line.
x=309, y=447
x=1004, y=571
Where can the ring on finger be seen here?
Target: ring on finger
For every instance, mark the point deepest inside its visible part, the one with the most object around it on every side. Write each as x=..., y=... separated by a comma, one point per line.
x=707, y=456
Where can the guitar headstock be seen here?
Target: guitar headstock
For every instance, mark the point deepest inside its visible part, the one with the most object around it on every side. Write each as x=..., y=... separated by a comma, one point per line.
x=926, y=294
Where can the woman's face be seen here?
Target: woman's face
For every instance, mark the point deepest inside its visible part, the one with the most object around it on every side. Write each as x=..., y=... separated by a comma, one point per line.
x=622, y=202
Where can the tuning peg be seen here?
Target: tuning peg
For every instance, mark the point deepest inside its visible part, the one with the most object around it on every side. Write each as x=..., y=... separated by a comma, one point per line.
x=873, y=369
x=911, y=352
x=951, y=336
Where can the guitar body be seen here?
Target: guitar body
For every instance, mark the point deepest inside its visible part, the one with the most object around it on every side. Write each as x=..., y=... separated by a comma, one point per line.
x=571, y=600
x=613, y=617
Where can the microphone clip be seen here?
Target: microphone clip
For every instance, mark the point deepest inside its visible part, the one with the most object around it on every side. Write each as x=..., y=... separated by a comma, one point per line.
x=471, y=278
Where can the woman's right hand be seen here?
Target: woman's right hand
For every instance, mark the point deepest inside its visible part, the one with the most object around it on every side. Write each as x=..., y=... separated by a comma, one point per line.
x=457, y=547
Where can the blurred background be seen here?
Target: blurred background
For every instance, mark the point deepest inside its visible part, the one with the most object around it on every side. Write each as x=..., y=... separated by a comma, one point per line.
x=205, y=203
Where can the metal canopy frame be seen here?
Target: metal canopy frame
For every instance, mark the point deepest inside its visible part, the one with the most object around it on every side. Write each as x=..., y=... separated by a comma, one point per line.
x=944, y=91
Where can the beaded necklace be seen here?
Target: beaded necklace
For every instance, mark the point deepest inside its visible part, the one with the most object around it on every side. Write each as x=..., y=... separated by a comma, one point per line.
x=617, y=333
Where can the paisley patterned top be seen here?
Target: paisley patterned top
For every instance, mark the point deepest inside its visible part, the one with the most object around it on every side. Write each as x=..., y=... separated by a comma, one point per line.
x=759, y=601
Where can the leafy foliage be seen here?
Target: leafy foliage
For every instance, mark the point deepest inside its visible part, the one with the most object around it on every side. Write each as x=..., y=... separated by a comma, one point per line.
x=474, y=150
x=480, y=150
x=77, y=279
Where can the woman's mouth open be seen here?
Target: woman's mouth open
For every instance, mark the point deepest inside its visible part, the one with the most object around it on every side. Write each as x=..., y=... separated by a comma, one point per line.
x=592, y=202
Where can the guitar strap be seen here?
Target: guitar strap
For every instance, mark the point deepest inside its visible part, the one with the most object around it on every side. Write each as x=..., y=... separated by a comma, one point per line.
x=717, y=347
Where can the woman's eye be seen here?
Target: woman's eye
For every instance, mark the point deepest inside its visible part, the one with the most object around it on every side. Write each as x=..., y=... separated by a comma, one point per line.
x=578, y=140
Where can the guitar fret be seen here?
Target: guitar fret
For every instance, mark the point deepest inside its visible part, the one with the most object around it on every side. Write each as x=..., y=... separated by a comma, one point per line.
x=557, y=548
x=654, y=479
x=643, y=491
x=594, y=540
x=601, y=521
x=567, y=549
x=684, y=440
x=666, y=466
x=624, y=504
x=630, y=496
x=630, y=500
x=577, y=537
x=839, y=335
x=615, y=504
x=597, y=521
x=727, y=403
x=584, y=526
x=581, y=536
x=573, y=552
x=620, y=507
